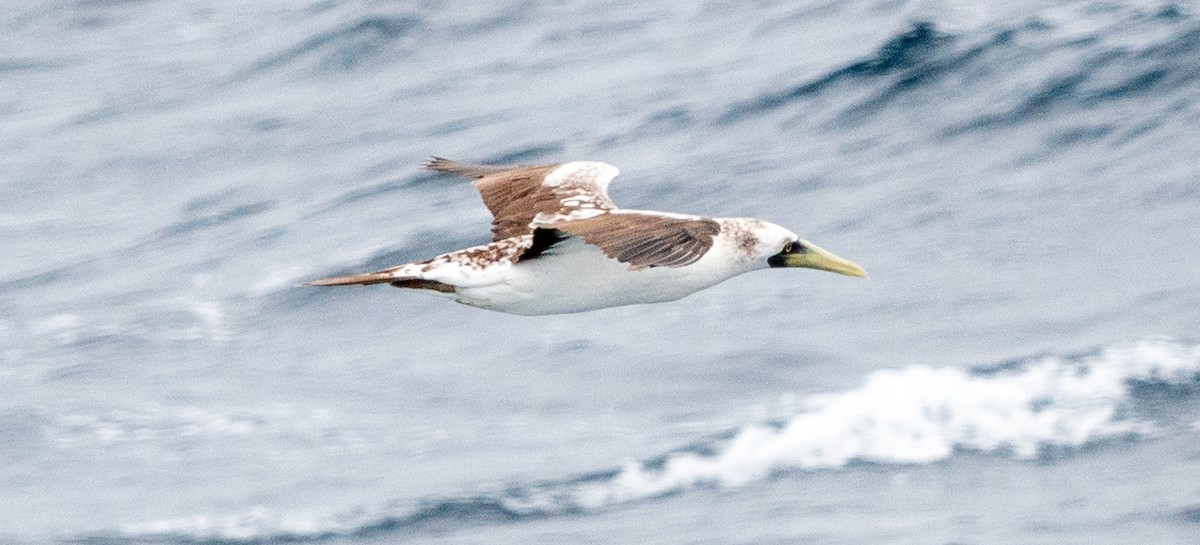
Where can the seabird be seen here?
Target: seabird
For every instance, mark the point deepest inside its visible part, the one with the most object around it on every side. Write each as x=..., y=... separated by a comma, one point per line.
x=560, y=245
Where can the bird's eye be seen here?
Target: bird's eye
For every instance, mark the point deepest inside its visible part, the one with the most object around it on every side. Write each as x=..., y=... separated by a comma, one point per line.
x=790, y=248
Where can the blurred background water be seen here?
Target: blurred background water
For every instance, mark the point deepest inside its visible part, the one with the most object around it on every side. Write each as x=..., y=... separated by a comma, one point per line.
x=1020, y=178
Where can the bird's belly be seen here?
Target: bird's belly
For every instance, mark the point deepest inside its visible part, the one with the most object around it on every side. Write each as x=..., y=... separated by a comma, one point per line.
x=581, y=279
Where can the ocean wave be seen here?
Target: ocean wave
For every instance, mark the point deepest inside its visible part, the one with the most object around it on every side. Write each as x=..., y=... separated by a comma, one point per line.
x=211, y=219
x=50, y=274
x=370, y=39
x=178, y=320
x=193, y=220
x=8, y=65
x=910, y=416
x=920, y=415
x=1190, y=514
x=1096, y=68
x=903, y=52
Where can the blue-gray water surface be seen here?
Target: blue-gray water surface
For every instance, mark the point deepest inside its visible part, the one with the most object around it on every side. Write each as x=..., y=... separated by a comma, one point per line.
x=1020, y=178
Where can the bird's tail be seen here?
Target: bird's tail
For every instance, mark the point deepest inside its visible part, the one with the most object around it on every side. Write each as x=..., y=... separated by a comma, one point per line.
x=364, y=279
x=403, y=276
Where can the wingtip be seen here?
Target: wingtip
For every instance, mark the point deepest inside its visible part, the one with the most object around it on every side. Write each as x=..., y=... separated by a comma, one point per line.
x=458, y=168
x=436, y=163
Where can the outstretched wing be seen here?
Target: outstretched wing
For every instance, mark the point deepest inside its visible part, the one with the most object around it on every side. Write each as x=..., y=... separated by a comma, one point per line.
x=524, y=197
x=641, y=239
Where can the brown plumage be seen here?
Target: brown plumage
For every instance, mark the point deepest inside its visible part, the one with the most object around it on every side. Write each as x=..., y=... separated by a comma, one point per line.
x=516, y=195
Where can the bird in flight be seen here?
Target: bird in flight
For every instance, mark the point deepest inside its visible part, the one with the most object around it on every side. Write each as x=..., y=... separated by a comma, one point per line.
x=560, y=245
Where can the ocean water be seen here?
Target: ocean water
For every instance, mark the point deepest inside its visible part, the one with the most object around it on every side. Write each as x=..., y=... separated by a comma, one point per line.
x=1021, y=179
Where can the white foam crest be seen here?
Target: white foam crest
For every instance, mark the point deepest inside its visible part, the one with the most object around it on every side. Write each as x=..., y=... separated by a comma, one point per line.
x=921, y=415
x=256, y=523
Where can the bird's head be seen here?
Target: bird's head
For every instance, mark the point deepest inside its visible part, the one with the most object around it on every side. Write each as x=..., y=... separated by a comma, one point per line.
x=784, y=248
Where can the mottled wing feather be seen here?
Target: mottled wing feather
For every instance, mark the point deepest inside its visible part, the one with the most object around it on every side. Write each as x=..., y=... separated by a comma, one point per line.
x=515, y=198
x=521, y=196
x=645, y=240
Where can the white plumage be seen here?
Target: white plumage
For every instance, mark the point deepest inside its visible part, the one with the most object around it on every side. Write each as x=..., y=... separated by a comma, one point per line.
x=560, y=245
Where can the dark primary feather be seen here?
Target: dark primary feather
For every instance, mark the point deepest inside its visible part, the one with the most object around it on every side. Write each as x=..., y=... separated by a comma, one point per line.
x=646, y=240
x=449, y=166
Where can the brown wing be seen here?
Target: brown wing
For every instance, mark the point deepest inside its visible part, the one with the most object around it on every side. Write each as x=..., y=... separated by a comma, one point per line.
x=645, y=239
x=519, y=195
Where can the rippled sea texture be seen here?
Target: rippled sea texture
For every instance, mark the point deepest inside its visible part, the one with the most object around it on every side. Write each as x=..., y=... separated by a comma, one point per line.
x=1020, y=178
